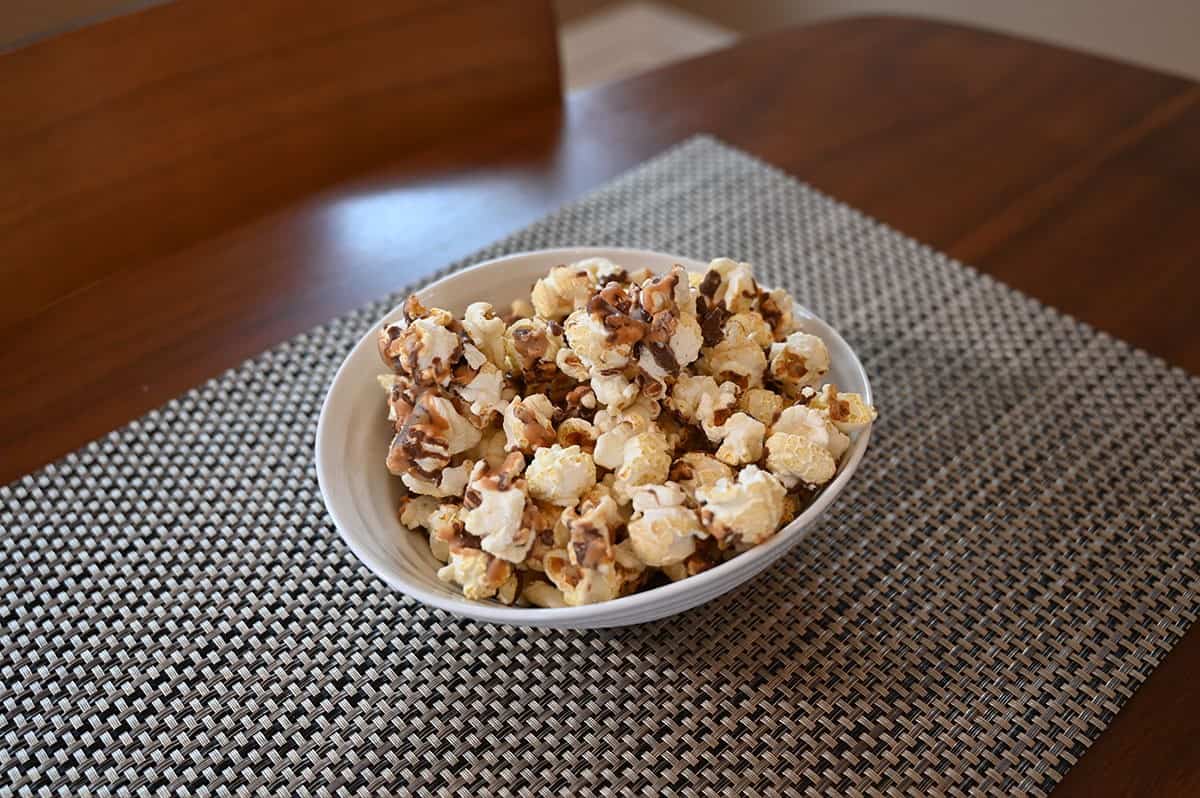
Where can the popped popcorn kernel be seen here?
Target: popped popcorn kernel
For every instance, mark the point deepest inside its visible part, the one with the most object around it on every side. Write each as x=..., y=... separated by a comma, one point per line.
x=798, y=362
x=479, y=574
x=663, y=530
x=495, y=503
x=762, y=404
x=562, y=290
x=795, y=459
x=744, y=512
x=560, y=475
x=847, y=411
x=529, y=423
x=613, y=425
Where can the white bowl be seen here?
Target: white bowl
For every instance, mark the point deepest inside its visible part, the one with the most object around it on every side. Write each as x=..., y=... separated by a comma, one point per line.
x=353, y=437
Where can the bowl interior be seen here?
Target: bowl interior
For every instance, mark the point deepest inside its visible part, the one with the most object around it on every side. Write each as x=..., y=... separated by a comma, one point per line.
x=353, y=437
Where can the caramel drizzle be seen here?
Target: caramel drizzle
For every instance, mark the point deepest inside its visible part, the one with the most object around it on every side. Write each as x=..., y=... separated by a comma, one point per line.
x=535, y=432
x=626, y=322
x=420, y=434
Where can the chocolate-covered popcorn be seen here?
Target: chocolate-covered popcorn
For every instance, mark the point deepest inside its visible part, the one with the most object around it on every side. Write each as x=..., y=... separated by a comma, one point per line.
x=615, y=425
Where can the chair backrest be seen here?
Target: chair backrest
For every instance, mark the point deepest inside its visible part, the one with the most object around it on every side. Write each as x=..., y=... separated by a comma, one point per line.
x=130, y=138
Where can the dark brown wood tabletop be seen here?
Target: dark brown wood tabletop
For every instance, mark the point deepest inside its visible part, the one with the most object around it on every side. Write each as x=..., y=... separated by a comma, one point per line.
x=1073, y=178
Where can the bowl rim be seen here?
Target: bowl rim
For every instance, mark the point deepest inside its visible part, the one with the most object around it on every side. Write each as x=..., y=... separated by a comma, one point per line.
x=563, y=616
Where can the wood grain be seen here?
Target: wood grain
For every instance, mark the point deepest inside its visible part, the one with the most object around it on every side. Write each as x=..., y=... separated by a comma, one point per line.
x=128, y=139
x=1073, y=178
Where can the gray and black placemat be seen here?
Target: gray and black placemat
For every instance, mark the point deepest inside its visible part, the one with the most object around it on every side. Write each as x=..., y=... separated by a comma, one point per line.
x=1016, y=554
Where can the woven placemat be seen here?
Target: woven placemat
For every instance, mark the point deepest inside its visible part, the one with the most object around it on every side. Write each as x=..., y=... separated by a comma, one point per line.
x=1015, y=555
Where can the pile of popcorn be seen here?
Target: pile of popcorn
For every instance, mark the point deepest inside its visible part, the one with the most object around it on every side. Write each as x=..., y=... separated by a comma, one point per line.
x=619, y=430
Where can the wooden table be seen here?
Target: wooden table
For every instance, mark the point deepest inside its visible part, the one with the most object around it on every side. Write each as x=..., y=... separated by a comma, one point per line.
x=1073, y=178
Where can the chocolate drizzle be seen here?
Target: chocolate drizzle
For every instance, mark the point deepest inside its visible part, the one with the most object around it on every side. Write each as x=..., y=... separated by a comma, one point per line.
x=658, y=341
x=710, y=283
x=626, y=322
x=535, y=432
x=421, y=434
x=530, y=343
x=659, y=293
x=591, y=544
x=712, y=316
x=771, y=312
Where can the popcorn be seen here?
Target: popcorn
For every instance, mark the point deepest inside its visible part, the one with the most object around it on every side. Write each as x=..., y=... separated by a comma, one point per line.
x=425, y=347
x=592, y=566
x=581, y=402
x=591, y=527
x=742, y=440
x=663, y=529
x=428, y=434
x=751, y=326
x=528, y=423
x=716, y=409
x=799, y=362
x=451, y=481
x=795, y=459
x=578, y=432
x=814, y=425
x=671, y=334
x=776, y=308
x=736, y=357
x=531, y=347
x=762, y=404
x=707, y=555
x=847, y=411
x=486, y=331
x=519, y=309
x=609, y=451
x=415, y=511
x=643, y=408
x=668, y=421
x=696, y=469
x=579, y=585
x=678, y=435
x=446, y=531
x=745, y=512
x=425, y=511
x=792, y=507
x=491, y=448
x=572, y=365
x=495, y=501
x=647, y=460
x=590, y=339
x=543, y=594
x=651, y=377
x=730, y=283
x=545, y=521
x=613, y=391
x=686, y=339
x=603, y=270
x=616, y=431
x=483, y=392
x=564, y=289
x=560, y=475
x=480, y=575
x=699, y=400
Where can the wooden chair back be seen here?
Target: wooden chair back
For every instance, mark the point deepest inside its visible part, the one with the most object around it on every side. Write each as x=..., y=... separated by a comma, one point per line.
x=130, y=138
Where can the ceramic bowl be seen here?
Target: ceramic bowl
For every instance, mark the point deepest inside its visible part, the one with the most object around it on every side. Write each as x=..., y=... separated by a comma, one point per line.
x=353, y=436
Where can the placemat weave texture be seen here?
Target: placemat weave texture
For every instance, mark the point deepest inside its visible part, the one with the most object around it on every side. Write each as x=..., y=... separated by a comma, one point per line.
x=1016, y=554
